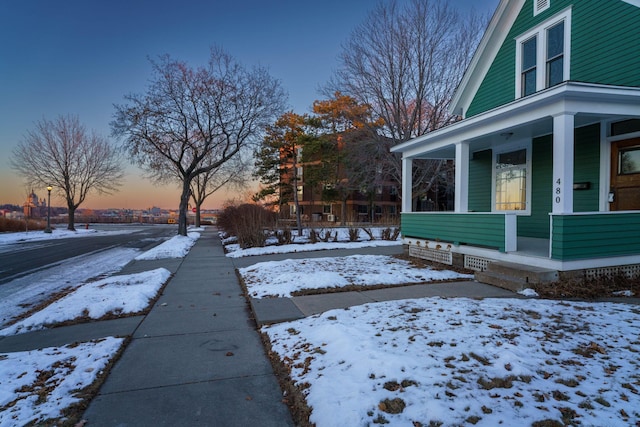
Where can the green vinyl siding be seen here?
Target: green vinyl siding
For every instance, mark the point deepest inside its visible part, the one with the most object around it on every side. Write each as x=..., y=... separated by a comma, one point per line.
x=604, y=49
x=474, y=229
x=480, y=172
x=537, y=224
x=587, y=168
x=595, y=236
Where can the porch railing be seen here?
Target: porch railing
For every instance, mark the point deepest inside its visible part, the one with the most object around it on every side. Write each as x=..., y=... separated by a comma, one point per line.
x=490, y=230
x=595, y=235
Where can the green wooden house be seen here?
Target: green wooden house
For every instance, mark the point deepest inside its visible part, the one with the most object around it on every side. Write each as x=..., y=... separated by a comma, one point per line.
x=547, y=155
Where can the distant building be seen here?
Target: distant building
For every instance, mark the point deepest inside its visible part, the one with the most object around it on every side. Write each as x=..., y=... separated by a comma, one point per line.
x=34, y=208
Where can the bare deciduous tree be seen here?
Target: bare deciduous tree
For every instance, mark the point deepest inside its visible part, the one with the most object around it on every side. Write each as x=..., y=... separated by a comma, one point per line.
x=406, y=62
x=65, y=156
x=234, y=174
x=192, y=121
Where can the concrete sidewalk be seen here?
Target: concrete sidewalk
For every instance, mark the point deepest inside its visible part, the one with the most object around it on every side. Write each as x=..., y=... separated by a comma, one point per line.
x=196, y=359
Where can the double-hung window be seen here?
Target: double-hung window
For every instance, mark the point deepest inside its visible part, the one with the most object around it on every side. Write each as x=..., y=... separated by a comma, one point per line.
x=555, y=54
x=542, y=55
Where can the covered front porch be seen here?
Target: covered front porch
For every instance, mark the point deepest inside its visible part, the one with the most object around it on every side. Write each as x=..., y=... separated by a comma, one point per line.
x=533, y=183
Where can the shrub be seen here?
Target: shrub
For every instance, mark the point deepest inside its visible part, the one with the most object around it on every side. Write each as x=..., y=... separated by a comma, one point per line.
x=369, y=233
x=284, y=236
x=248, y=223
x=388, y=234
x=314, y=237
x=354, y=234
x=326, y=236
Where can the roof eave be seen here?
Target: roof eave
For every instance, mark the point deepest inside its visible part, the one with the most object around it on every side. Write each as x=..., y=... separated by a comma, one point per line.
x=493, y=38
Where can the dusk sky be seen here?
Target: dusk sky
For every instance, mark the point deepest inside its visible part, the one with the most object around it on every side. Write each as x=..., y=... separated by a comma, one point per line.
x=81, y=57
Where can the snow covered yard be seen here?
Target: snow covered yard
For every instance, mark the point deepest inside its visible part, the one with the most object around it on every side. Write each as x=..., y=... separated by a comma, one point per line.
x=45, y=384
x=282, y=278
x=340, y=240
x=442, y=362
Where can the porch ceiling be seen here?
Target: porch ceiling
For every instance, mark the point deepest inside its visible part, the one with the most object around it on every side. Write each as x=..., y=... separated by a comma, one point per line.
x=527, y=118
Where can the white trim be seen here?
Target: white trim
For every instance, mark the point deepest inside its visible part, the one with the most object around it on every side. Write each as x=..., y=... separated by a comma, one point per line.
x=540, y=32
x=461, y=195
x=506, y=148
x=407, y=184
x=587, y=98
x=605, y=166
x=563, y=163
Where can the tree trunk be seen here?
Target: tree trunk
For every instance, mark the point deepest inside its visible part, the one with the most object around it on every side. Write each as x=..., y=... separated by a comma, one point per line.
x=184, y=205
x=72, y=217
x=343, y=217
x=197, y=224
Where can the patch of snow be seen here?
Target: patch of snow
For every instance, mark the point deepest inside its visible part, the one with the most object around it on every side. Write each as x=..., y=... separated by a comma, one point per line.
x=282, y=278
x=627, y=293
x=176, y=247
x=493, y=361
x=72, y=368
x=528, y=292
x=116, y=294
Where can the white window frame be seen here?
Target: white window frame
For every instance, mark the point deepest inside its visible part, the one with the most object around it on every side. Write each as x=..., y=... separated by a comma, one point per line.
x=507, y=148
x=541, y=54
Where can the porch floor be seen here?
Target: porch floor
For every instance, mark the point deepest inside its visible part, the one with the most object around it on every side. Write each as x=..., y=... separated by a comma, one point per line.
x=533, y=247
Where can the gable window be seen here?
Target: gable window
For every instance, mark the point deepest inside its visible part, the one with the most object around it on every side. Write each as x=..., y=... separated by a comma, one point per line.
x=511, y=180
x=542, y=55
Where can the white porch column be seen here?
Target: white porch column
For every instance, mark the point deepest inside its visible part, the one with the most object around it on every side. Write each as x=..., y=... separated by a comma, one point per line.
x=407, y=184
x=462, y=177
x=563, y=150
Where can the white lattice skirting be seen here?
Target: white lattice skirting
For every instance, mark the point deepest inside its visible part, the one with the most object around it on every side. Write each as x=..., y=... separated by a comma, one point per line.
x=629, y=271
x=436, y=255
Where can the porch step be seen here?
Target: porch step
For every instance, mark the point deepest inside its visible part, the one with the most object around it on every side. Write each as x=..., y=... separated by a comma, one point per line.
x=515, y=277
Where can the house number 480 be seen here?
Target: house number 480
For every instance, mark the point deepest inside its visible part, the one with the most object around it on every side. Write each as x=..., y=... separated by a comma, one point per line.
x=558, y=191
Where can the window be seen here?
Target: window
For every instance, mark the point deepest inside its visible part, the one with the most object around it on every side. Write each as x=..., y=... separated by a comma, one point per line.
x=555, y=54
x=511, y=180
x=629, y=161
x=529, y=54
x=625, y=126
x=542, y=55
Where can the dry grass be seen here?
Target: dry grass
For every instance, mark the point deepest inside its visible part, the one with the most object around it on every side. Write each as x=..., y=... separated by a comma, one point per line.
x=588, y=289
x=17, y=225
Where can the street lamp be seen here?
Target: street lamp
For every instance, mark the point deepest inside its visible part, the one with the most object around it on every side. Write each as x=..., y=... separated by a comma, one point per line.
x=48, y=229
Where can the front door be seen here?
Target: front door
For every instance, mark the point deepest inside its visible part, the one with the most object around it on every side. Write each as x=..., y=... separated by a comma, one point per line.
x=625, y=175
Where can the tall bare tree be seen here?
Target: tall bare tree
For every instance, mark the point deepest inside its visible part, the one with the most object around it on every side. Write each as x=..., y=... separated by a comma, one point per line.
x=64, y=155
x=406, y=62
x=192, y=121
x=234, y=174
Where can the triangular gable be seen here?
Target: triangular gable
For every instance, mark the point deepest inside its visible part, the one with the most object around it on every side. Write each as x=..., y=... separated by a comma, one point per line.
x=499, y=27
x=493, y=39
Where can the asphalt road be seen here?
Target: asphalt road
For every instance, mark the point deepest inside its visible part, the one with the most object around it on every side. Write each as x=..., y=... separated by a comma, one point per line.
x=20, y=259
